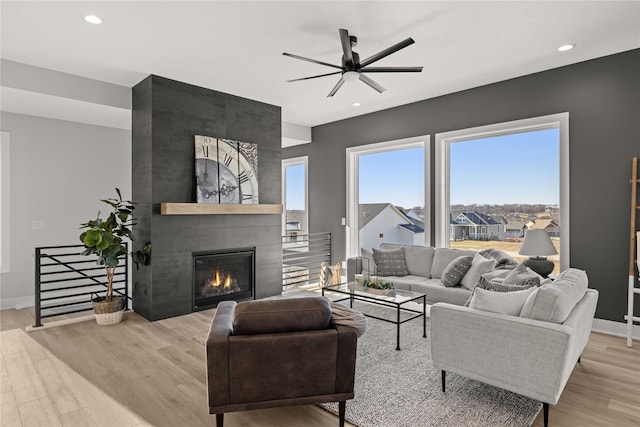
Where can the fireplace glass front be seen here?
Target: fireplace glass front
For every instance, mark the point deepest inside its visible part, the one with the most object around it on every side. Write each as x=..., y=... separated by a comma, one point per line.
x=223, y=275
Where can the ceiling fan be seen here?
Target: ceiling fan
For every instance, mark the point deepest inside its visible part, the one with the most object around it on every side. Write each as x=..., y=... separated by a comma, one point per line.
x=353, y=69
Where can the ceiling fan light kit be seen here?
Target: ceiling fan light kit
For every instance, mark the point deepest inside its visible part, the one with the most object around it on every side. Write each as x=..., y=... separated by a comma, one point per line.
x=353, y=69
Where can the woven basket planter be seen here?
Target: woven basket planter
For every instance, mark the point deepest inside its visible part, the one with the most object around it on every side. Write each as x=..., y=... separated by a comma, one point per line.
x=108, y=312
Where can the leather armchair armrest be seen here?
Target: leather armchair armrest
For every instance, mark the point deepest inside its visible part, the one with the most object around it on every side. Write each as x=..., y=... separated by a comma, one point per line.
x=217, y=351
x=346, y=363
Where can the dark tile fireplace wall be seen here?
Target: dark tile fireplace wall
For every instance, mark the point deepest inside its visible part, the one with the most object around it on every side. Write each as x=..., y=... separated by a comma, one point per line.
x=166, y=116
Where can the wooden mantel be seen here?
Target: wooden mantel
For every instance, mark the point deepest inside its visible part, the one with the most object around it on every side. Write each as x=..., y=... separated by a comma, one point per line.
x=217, y=209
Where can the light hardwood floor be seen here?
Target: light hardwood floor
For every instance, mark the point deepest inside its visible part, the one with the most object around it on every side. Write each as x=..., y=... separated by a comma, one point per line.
x=141, y=373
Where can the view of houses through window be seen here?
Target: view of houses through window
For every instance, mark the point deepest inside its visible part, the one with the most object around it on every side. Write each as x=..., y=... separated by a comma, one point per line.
x=391, y=190
x=502, y=185
x=295, y=196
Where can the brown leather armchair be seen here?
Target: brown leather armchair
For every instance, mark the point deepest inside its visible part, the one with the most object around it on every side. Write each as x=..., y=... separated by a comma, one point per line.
x=272, y=353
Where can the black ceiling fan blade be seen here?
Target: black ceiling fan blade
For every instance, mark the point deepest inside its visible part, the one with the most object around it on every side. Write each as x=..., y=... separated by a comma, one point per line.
x=336, y=87
x=366, y=80
x=386, y=52
x=391, y=69
x=314, y=77
x=346, y=48
x=311, y=60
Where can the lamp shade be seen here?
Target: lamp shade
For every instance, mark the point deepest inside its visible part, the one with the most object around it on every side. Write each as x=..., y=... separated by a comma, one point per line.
x=537, y=243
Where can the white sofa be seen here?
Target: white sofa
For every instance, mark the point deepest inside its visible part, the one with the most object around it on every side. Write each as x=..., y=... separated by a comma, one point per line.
x=530, y=357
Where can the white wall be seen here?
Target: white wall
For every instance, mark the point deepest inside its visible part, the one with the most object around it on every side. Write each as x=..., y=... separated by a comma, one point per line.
x=59, y=172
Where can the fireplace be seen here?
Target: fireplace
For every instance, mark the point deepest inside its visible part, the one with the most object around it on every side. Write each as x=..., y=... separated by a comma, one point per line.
x=221, y=275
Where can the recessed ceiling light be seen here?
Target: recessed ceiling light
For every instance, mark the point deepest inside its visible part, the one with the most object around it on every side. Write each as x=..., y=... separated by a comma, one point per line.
x=356, y=104
x=92, y=19
x=566, y=47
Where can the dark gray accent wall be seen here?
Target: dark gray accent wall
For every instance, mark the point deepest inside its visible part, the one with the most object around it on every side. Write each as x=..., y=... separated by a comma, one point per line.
x=166, y=116
x=602, y=97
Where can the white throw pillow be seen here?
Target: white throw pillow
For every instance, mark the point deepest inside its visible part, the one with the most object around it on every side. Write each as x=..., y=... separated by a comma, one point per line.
x=509, y=303
x=479, y=266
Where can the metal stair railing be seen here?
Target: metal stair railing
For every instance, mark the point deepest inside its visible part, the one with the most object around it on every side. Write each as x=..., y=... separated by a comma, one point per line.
x=65, y=280
x=301, y=257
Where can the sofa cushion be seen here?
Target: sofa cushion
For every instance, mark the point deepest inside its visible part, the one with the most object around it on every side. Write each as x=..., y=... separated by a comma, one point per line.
x=390, y=262
x=456, y=269
x=281, y=315
x=442, y=257
x=435, y=292
x=554, y=301
x=479, y=266
x=509, y=303
x=418, y=258
x=522, y=276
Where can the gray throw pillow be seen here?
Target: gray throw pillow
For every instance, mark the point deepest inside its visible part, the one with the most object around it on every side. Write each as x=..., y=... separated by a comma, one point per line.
x=455, y=271
x=522, y=276
x=390, y=262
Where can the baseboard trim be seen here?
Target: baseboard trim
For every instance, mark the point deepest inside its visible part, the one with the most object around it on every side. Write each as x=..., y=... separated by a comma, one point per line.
x=18, y=303
x=618, y=329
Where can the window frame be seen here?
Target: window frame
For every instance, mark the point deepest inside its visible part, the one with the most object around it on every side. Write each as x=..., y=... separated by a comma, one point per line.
x=443, y=141
x=352, y=154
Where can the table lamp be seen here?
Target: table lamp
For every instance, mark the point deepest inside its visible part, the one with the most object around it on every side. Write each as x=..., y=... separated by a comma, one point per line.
x=537, y=245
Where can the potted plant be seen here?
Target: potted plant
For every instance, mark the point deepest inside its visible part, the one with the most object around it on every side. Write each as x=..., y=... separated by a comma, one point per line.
x=105, y=239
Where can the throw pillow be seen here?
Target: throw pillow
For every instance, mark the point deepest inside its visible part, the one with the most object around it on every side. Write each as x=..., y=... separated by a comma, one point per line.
x=509, y=303
x=390, y=262
x=522, y=276
x=479, y=266
x=554, y=301
x=368, y=263
x=456, y=269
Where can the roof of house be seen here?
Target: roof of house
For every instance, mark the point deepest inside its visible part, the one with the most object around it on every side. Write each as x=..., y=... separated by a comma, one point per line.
x=479, y=218
x=368, y=211
x=412, y=227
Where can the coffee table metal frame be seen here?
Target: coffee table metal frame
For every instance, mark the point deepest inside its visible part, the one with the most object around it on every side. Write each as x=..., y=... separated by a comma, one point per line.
x=392, y=301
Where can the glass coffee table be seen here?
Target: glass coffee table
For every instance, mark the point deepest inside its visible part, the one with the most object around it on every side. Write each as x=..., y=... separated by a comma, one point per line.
x=396, y=300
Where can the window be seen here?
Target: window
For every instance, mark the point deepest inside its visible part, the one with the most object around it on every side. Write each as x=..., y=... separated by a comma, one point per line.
x=5, y=155
x=387, y=186
x=494, y=182
x=294, y=194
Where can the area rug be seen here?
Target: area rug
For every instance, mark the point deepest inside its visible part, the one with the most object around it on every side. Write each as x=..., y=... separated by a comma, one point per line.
x=403, y=389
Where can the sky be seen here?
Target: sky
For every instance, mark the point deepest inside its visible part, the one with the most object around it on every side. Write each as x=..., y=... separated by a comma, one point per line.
x=294, y=183
x=522, y=168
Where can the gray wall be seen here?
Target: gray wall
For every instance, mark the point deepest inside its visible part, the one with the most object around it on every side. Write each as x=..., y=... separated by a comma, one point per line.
x=166, y=116
x=59, y=172
x=602, y=97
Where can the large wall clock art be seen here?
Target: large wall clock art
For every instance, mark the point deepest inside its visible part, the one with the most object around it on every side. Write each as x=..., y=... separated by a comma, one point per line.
x=226, y=171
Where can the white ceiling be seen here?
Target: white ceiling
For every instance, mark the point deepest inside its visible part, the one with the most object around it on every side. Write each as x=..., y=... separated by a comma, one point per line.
x=236, y=47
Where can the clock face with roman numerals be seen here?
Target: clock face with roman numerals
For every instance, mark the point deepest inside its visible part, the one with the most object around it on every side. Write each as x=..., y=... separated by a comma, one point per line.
x=226, y=171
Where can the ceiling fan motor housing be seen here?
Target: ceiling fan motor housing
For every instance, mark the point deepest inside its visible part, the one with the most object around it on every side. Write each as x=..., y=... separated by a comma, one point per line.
x=356, y=62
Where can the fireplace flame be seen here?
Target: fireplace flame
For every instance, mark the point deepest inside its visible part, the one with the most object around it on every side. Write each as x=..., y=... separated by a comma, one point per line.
x=217, y=281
